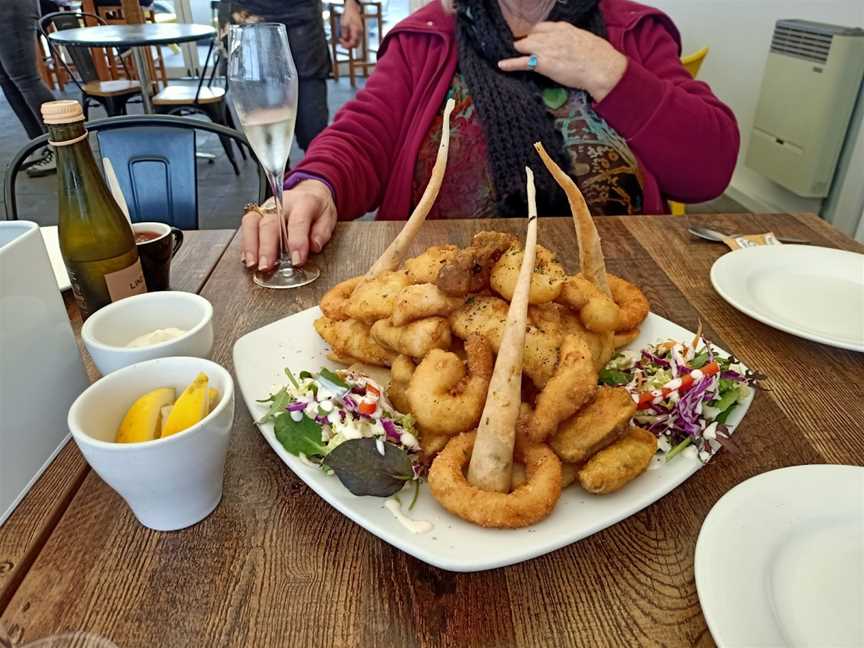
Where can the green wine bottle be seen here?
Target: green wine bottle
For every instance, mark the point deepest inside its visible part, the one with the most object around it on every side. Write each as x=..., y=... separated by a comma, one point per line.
x=96, y=240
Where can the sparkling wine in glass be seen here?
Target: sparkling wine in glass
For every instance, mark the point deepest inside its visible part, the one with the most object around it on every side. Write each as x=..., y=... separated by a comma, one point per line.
x=263, y=90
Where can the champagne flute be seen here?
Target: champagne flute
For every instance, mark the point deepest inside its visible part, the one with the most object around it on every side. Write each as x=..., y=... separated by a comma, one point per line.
x=263, y=89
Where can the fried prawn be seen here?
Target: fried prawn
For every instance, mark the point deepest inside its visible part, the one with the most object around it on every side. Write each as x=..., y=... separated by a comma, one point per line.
x=546, y=280
x=631, y=301
x=446, y=397
x=574, y=383
x=334, y=303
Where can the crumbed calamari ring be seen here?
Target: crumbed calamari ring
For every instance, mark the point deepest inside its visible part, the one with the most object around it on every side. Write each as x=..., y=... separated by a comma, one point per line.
x=632, y=302
x=526, y=505
x=335, y=300
x=415, y=339
x=546, y=281
x=423, y=300
x=447, y=398
x=617, y=465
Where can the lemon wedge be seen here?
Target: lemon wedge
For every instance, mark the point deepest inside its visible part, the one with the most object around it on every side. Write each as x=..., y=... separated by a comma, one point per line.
x=141, y=422
x=192, y=406
x=214, y=397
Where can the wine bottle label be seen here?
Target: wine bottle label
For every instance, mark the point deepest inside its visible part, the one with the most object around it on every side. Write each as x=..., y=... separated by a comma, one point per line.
x=126, y=282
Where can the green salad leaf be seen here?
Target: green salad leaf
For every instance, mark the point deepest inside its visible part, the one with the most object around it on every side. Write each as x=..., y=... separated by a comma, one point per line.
x=277, y=404
x=613, y=377
x=300, y=436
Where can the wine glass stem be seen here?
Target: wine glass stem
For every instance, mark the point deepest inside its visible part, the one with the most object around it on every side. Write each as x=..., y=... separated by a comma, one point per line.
x=276, y=180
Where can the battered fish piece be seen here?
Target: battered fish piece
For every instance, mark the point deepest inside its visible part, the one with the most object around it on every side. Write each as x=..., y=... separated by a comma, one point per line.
x=415, y=339
x=468, y=271
x=425, y=267
x=352, y=339
x=599, y=424
x=546, y=281
x=373, y=299
x=487, y=316
x=335, y=301
x=423, y=300
x=616, y=466
x=573, y=385
x=446, y=397
x=400, y=376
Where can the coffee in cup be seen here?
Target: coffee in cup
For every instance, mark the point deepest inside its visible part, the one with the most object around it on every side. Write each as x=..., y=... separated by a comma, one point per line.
x=157, y=244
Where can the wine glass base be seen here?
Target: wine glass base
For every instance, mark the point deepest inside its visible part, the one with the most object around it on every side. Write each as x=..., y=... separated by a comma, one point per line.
x=284, y=275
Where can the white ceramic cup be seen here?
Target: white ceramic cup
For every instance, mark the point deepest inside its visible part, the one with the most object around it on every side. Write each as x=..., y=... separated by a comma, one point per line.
x=169, y=483
x=107, y=331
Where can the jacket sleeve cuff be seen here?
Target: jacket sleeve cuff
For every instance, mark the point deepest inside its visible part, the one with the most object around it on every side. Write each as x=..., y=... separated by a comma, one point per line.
x=299, y=176
x=633, y=101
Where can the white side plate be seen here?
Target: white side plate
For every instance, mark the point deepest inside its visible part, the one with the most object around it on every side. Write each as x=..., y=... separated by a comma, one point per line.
x=52, y=244
x=780, y=560
x=813, y=292
x=260, y=359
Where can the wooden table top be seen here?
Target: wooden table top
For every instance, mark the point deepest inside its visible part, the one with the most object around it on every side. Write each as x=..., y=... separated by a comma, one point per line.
x=274, y=565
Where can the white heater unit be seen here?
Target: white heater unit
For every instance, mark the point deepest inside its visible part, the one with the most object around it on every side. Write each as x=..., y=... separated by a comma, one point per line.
x=811, y=81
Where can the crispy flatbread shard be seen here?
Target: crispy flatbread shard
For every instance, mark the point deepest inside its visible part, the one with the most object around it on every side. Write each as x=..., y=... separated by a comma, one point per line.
x=597, y=425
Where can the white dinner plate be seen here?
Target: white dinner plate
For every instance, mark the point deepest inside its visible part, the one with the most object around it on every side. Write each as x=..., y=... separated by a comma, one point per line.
x=260, y=359
x=813, y=292
x=52, y=244
x=780, y=560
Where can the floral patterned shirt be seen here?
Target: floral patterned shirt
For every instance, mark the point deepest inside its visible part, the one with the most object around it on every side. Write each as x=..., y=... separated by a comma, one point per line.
x=601, y=162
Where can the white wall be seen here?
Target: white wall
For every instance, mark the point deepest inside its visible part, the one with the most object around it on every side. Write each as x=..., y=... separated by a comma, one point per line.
x=739, y=35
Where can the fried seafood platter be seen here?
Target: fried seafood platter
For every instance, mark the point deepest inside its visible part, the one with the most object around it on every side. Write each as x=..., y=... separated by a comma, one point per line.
x=497, y=404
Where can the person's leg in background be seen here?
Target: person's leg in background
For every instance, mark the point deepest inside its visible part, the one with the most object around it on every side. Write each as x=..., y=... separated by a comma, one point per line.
x=312, y=59
x=19, y=77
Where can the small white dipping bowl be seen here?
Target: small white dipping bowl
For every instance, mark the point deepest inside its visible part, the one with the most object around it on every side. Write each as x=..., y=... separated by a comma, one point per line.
x=107, y=332
x=169, y=483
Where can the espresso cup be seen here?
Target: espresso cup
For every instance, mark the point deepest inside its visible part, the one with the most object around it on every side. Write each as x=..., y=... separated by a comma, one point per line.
x=157, y=245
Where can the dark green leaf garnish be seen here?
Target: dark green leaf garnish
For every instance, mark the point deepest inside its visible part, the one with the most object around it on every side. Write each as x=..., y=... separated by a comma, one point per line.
x=306, y=374
x=613, y=377
x=364, y=471
x=300, y=436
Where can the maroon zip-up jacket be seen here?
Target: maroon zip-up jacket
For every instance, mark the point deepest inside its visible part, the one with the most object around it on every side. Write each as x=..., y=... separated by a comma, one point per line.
x=685, y=138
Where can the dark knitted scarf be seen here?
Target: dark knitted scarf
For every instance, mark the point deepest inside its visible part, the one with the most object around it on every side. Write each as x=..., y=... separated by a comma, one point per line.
x=510, y=105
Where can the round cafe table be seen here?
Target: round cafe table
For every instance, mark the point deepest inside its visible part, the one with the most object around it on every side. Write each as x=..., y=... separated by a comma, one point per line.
x=136, y=37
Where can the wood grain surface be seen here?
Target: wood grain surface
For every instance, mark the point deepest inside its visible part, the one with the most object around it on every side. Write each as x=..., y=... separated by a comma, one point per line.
x=274, y=565
x=27, y=529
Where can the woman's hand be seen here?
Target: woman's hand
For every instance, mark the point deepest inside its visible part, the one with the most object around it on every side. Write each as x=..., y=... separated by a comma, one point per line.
x=351, y=25
x=310, y=213
x=570, y=56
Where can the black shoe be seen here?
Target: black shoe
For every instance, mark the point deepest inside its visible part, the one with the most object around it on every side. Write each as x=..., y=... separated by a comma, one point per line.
x=46, y=166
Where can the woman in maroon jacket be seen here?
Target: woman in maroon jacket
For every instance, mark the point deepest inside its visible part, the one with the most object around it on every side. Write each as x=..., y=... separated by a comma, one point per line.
x=599, y=82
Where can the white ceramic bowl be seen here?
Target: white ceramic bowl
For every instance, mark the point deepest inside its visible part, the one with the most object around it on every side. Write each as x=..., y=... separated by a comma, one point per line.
x=107, y=332
x=169, y=483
